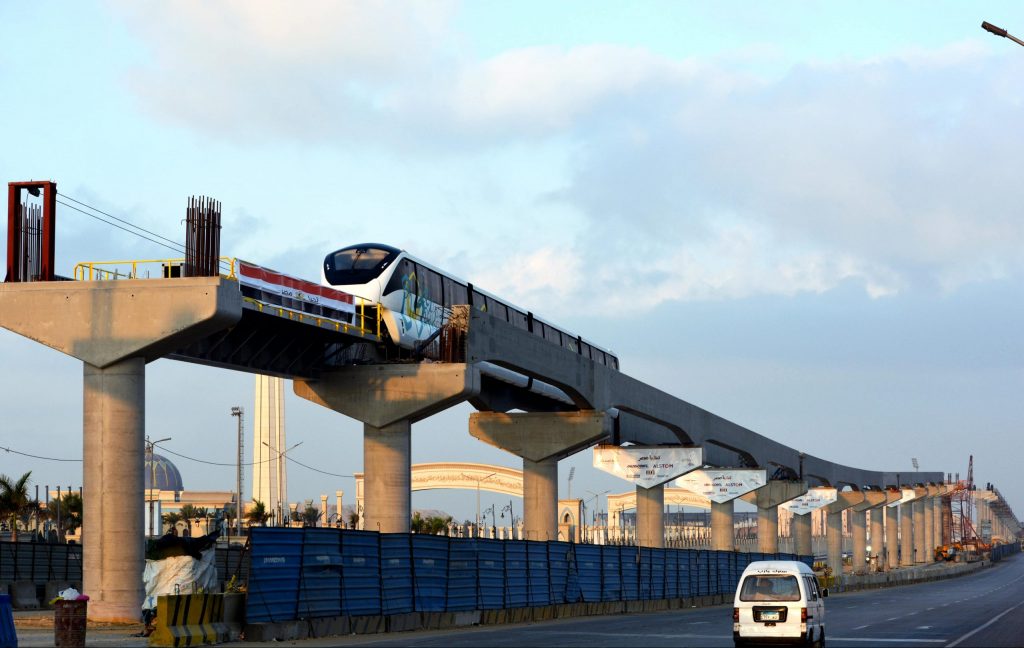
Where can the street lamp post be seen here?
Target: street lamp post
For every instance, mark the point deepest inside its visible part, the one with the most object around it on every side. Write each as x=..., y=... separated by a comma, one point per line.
x=152, y=478
x=237, y=411
x=999, y=31
x=478, y=499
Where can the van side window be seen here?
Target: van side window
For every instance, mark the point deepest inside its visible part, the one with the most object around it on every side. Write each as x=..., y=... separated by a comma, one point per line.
x=812, y=588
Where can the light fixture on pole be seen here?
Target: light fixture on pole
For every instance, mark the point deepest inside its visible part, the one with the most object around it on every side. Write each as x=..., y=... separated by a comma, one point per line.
x=913, y=461
x=281, y=509
x=999, y=31
x=237, y=411
x=152, y=477
x=572, y=473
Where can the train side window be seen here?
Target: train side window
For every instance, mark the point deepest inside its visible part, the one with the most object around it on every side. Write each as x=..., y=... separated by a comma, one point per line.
x=404, y=277
x=496, y=308
x=517, y=319
x=479, y=301
x=454, y=293
x=429, y=284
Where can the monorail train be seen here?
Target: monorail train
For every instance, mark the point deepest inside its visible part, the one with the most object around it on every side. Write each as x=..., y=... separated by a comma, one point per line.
x=413, y=297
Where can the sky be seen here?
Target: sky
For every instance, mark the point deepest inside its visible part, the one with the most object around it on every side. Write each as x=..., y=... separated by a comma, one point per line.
x=802, y=216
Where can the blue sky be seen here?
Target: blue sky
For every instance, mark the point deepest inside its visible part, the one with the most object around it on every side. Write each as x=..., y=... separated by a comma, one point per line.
x=800, y=216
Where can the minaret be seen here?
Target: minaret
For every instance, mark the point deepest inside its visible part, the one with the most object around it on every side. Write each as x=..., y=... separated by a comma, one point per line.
x=269, y=472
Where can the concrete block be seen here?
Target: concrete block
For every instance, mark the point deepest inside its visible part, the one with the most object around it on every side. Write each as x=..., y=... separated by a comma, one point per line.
x=493, y=617
x=329, y=626
x=279, y=631
x=372, y=624
x=633, y=607
x=436, y=620
x=543, y=613
x=519, y=615
x=23, y=595
x=404, y=622
x=466, y=618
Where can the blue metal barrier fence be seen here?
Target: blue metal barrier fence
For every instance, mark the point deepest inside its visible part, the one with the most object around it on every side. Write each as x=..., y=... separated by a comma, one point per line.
x=309, y=573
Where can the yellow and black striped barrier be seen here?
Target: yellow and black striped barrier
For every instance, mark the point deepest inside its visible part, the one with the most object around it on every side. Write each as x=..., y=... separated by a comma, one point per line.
x=189, y=620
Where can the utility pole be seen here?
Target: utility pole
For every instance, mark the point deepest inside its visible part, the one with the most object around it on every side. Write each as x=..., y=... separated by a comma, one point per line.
x=237, y=411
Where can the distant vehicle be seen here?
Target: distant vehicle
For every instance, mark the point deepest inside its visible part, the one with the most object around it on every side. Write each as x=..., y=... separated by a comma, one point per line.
x=778, y=601
x=413, y=297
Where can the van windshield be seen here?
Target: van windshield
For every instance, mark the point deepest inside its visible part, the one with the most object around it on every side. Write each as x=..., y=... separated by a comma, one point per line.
x=770, y=588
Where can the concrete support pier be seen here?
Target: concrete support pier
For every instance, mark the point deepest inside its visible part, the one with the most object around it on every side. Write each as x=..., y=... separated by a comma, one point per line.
x=929, y=529
x=892, y=530
x=834, y=527
x=937, y=515
x=858, y=528
x=388, y=399
x=723, y=535
x=906, y=534
x=767, y=499
x=917, y=514
x=876, y=537
x=387, y=484
x=801, y=526
x=650, y=516
x=541, y=439
x=114, y=404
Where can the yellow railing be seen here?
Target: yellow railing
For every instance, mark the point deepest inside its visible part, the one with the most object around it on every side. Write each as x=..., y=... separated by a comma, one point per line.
x=109, y=270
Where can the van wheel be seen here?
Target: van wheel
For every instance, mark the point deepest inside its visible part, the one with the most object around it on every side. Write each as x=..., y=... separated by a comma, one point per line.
x=821, y=639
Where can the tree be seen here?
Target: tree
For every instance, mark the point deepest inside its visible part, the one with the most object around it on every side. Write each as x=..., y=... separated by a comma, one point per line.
x=13, y=500
x=71, y=511
x=353, y=519
x=188, y=513
x=258, y=514
x=202, y=513
x=171, y=519
x=310, y=514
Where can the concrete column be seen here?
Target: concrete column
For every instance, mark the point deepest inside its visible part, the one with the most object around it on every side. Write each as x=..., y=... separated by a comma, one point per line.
x=878, y=536
x=114, y=400
x=892, y=546
x=540, y=499
x=937, y=518
x=723, y=534
x=650, y=516
x=906, y=535
x=802, y=535
x=928, y=506
x=858, y=528
x=387, y=483
x=920, y=549
x=768, y=529
x=834, y=541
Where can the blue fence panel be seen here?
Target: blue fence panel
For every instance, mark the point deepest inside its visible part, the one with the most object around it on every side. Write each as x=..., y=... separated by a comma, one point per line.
x=704, y=573
x=687, y=581
x=658, y=587
x=320, y=579
x=430, y=572
x=672, y=573
x=516, y=583
x=588, y=566
x=611, y=573
x=722, y=561
x=630, y=573
x=644, y=574
x=539, y=578
x=559, y=558
x=360, y=573
x=396, y=573
x=275, y=565
x=462, y=574
x=491, y=561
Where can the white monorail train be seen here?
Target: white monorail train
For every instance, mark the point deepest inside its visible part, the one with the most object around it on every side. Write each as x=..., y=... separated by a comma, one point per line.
x=414, y=295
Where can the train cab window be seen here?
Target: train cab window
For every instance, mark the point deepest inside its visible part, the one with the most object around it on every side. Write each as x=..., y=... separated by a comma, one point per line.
x=404, y=278
x=496, y=308
x=357, y=264
x=454, y=293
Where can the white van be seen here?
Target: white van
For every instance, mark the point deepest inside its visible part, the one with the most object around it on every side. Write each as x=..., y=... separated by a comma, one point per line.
x=778, y=601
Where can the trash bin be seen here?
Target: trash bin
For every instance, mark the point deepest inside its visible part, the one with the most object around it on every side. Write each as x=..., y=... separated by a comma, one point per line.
x=69, y=623
x=8, y=636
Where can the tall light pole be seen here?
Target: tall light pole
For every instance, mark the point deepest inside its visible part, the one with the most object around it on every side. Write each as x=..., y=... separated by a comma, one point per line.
x=280, y=460
x=237, y=411
x=478, y=499
x=999, y=31
x=572, y=473
x=152, y=478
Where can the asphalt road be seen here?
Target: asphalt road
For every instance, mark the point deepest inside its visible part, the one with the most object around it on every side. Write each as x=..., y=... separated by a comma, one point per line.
x=983, y=609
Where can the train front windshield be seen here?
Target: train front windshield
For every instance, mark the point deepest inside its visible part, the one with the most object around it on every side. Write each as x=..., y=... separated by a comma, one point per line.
x=357, y=264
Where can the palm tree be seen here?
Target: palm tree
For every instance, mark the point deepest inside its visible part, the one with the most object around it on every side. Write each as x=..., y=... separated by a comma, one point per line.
x=188, y=513
x=310, y=515
x=171, y=519
x=71, y=510
x=202, y=513
x=257, y=514
x=13, y=500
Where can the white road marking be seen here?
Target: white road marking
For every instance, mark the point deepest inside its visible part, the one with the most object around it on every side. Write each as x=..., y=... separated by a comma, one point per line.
x=987, y=624
x=924, y=627
x=861, y=627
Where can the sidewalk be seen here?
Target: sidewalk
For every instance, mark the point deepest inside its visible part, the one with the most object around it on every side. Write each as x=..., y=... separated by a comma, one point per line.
x=35, y=628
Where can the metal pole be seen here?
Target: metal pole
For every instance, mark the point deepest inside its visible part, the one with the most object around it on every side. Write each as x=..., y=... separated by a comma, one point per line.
x=237, y=411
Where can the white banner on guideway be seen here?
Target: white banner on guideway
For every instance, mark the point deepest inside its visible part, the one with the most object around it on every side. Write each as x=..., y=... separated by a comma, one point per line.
x=723, y=485
x=647, y=466
x=812, y=500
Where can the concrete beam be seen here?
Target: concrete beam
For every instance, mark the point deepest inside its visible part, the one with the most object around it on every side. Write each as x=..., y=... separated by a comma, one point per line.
x=539, y=436
x=767, y=499
x=381, y=395
x=104, y=322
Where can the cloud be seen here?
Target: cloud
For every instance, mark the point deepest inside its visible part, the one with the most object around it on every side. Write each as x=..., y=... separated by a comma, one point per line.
x=692, y=178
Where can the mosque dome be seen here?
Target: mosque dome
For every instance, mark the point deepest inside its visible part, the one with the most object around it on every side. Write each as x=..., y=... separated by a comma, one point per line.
x=167, y=476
